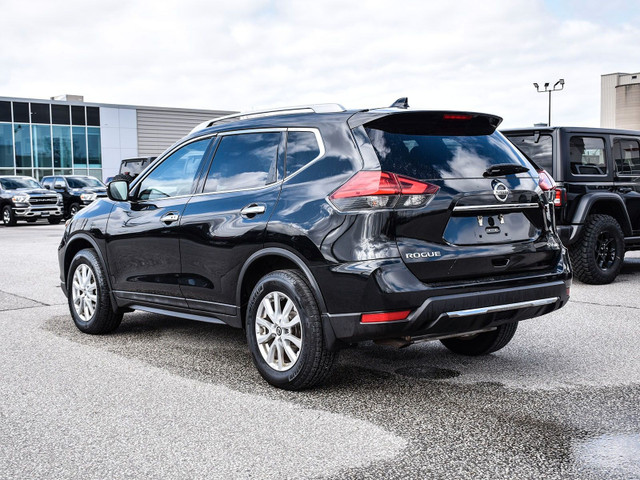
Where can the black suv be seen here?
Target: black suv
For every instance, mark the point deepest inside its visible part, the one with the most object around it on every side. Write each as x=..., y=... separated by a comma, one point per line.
x=317, y=227
x=23, y=198
x=597, y=197
x=77, y=191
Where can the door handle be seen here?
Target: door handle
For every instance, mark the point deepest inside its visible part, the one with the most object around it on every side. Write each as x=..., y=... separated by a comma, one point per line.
x=170, y=218
x=252, y=210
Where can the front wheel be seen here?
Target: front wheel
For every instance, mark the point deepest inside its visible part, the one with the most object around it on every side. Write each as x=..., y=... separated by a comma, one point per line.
x=284, y=332
x=8, y=217
x=482, y=343
x=88, y=295
x=73, y=209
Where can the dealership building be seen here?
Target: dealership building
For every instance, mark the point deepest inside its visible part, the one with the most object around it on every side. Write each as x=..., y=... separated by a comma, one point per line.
x=65, y=135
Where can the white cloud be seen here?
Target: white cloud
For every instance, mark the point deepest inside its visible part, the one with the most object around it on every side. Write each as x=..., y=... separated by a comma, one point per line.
x=465, y=55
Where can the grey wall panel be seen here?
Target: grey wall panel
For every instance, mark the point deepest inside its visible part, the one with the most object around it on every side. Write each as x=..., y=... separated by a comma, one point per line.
x=160, y=128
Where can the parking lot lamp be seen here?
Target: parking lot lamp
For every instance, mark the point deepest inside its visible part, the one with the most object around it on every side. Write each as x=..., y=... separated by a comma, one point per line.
x=546, y=89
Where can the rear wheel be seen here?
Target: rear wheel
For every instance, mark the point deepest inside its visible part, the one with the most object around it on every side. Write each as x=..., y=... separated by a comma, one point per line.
x=598, y=254
x=8, y=217
x=284, y=332
x=88, y=295
x=482, y=343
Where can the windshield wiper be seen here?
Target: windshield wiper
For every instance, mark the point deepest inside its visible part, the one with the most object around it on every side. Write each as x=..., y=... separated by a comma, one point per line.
x=504, y=169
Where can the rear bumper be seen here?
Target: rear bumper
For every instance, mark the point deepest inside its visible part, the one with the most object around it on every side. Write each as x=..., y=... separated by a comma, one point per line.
x=457, y=314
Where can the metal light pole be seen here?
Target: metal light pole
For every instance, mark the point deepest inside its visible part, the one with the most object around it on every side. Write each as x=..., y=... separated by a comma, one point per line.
x=547, y=89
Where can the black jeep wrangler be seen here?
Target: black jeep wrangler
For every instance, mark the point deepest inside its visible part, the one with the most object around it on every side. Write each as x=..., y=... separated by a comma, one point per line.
x=597, y=199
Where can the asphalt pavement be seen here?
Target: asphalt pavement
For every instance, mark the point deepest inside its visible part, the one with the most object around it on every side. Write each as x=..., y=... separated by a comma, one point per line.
x=169, y=398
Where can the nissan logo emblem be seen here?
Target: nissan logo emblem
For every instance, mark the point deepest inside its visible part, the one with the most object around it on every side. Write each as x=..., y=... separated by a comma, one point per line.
x=500, y=191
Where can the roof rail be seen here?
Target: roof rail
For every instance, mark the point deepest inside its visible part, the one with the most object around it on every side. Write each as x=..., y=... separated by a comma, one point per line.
x=319, y=108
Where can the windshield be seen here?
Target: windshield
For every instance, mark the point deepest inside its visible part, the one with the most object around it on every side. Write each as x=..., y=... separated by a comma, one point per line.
x=436, y=157
x=16, y=183
x=81, y=182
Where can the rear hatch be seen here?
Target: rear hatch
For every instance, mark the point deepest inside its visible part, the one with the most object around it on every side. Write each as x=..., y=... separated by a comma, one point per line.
x=488, y=217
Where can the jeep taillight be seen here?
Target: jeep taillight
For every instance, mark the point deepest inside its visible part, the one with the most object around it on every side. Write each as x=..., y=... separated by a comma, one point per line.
x=560, y=199
x=368, y=190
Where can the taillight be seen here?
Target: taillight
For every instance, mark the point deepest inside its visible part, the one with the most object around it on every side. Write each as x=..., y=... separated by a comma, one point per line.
x=368, y=190
x=560, y=198
x=545, y=181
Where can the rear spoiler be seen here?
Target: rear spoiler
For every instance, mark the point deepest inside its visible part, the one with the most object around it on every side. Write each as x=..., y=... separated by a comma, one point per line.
x=426, y=122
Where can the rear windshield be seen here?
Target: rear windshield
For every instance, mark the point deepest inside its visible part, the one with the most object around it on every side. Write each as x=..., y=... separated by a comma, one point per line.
x=134, y=167
x=538, y=148
x=434, y=157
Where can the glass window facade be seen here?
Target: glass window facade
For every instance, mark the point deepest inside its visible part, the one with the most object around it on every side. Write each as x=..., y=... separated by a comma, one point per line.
x=37, y=139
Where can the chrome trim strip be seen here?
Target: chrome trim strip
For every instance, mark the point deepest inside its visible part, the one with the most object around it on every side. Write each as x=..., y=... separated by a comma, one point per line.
x=185, y=316
x=506, y=206
x=501, y=308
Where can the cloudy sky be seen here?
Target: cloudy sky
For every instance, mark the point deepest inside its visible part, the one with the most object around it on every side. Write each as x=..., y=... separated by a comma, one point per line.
x=248, y=54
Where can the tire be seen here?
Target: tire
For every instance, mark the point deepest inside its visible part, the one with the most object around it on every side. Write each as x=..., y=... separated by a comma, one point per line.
x=54, y=220
x=123, y=176
x=598, y=254
x=73, y=209
x=295, y=368
x=102, y=319
x=482, y=343
x=8, y=217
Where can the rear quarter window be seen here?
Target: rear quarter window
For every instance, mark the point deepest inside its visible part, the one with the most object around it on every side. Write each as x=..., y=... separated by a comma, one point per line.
x=442, y=157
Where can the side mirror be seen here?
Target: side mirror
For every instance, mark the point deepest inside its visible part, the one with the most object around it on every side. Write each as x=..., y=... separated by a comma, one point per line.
x=47, y=186
x=118, y=190
x=58, y=185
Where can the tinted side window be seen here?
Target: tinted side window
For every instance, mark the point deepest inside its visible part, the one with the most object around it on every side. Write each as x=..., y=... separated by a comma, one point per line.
x=538, y=148
x=244, y=161
x=626, y=153
x=175, y=175
x=587, y=156
x=302, y=148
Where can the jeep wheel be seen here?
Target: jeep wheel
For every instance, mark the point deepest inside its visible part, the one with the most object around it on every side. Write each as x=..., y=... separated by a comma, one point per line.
x=8, y=217
x=88, y=295
x=482, y=343
x=598, y=254
x=284, y=332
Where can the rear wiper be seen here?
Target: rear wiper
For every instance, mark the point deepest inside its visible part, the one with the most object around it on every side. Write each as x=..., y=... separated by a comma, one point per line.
x=504, y=169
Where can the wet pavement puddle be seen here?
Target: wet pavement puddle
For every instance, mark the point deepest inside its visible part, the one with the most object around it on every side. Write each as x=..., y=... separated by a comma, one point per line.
x=615, y=454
